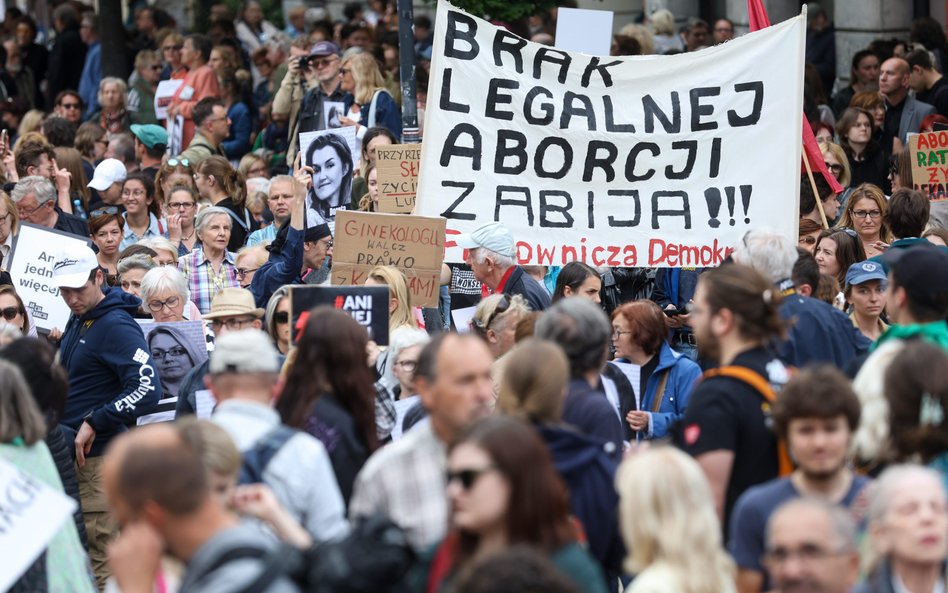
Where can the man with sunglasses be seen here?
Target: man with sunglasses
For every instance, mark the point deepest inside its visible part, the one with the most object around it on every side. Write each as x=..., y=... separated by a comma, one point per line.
x=69, y=106
x=324, y=60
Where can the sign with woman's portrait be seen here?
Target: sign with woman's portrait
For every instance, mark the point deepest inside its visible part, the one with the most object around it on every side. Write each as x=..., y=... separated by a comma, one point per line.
x=333, y=156
x=177, y=348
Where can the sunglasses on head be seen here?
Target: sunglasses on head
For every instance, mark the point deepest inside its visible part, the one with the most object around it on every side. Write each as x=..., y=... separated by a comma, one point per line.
x=176, y=162
x=10, y=313
x=104, y=211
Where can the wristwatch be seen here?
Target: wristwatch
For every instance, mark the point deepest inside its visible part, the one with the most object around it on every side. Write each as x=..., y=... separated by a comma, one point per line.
x=88, y=420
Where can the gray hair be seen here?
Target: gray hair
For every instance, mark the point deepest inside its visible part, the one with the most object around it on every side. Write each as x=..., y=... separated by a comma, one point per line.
x=581, y=329
x=41, y=187
x=204, y=217
x=480, y=255
x=285, y=179
x=841, y=521
x=159, y=242
x=122, y=86
x=139, y=261
x=768, y=252
x=163, y=278
x=881, y=494
x=20, y=416
x=274, y=302
x=402, y=338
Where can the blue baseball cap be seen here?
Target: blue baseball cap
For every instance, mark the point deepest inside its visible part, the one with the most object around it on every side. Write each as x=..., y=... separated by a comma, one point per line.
x=864, y=271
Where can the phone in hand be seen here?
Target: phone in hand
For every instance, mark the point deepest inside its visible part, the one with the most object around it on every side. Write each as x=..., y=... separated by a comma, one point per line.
x=671, y=312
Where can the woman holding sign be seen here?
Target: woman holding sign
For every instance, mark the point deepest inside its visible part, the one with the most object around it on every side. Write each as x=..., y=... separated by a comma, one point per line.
x=374, y=105
x=330, y=159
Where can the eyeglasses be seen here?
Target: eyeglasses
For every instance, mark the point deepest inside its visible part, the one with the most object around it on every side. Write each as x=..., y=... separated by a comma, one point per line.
x=70, y=105
x=230, y=324
x=175, y=352
x=835, y=169
x=242, y=272
x=281, y=317
x=616, y=332
x=808, y=240
x=172, y=48
x=155, y=67
x=25, y=215
x=865, y=213
x=320, y=64
x=171, y=303
x=344, y=71
x=10, y=313
x=176, y=162
x=104, y=211
x=4, y=217
x=408, y=365
x=467, y=477
x=180, y=205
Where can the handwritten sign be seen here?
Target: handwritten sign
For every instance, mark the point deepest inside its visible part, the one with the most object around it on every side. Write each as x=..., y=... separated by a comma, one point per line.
x=31, y=513
x=614, y=161
x=413, y=244
x=929, y=164
x=31, y=266
x=366, y=304
x=163, y=95
x=397, y=170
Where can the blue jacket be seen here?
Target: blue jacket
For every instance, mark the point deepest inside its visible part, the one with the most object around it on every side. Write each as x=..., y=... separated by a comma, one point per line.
x=818, y=333
x=387, y=114
x=89, y=82
x=283, y=267
x=111, y=372
x=683, y=374
x=519, y=282
x=241, y=125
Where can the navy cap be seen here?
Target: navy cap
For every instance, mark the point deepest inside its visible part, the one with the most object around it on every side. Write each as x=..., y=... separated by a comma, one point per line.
x=864, y=271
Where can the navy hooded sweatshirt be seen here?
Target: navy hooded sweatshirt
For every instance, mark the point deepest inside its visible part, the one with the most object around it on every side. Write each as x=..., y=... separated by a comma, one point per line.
x=111, y=373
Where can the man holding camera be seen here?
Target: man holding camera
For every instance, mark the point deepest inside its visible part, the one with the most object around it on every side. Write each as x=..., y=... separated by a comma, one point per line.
x=322, y=67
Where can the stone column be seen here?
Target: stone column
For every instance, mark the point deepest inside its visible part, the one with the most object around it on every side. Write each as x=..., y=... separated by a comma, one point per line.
x=858, y=23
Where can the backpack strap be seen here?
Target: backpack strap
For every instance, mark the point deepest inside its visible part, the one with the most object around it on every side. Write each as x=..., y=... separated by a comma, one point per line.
x=660, y=394
x=256, y=459
x=763, y=387
x=276, y=563
x=244, y=224
x=373, y=106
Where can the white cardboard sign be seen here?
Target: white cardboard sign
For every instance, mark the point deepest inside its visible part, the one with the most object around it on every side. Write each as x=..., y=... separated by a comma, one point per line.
x=584, y=31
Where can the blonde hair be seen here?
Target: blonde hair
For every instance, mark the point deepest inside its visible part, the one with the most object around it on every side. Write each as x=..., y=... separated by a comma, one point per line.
x=840, y=155
x=70, y=159
x=532, y=391
x=12, y=211
x=484, y=316
x=663, y=22
x=32, y=122
x=398, y=290
x=641, y=34
x=217, y=450
x=874, y=193
x=667, y=515
x=366, y=74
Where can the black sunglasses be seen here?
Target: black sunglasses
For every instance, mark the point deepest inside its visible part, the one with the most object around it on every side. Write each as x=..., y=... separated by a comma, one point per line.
x=10, y=313
x=281, y=317
x=467, y=477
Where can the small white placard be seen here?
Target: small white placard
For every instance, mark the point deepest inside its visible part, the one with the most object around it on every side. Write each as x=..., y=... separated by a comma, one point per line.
x=205, y=403
x=462, y=318
x=163, y=95
x=583, y=30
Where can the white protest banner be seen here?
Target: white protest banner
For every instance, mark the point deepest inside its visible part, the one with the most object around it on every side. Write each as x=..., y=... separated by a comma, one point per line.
x=30, y=264
x=30, y=515
x=615, y=161
x=163, y=94
x=333, y=156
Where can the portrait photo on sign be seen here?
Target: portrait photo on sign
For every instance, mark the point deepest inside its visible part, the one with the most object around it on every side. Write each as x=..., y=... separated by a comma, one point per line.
x=177, y=348
x=333, y=157
x=332, y=111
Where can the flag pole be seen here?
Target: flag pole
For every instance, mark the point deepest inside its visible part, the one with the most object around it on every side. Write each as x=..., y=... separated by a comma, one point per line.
x=819, y=199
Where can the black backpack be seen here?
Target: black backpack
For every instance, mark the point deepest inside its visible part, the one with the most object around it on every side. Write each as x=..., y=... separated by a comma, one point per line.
x=256, y=458
x=374, y=558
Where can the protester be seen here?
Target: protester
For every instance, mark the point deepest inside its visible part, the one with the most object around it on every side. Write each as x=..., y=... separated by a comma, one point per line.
x=669, y=525
x=866, y=289
x=156, y=468
x=906, y=217
x=666, y=378
x=277, y=320
x=406, y=480
x=63, y=563
x=816, y=332
x=142, y=212
x=497, y=469
x=834, y=158
x=181, y=209
x=311, y=82
x=863, y=76
x=35, y=200
x=373, y=104
x=14, y=312
x=112, y=115
x=405, y=345
x=908, y=530
x=492, y=256
x=112, y=381
x=280, y=202
x=211, y=129
x=809, y=234
x=816, y=414
x=249, y=260
x=131, y=270
x=903, y=113
x=328, y=392
x=727, y=424
x=106, y=227
x=582, y=330
x=837, y=250
x=242, y=377
x=9, y=224
x=811, y=547
x=917, y=305
x=224, y=186
x=199, y=82
x=865, y=213
x=578, y=279
x=164, y=294
x=495, y=320
x=213, y=267
x=151, y=143
x=107, y=180
x=867, y=161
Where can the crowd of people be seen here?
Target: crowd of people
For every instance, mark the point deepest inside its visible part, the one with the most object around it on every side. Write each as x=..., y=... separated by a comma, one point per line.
x=773, y=424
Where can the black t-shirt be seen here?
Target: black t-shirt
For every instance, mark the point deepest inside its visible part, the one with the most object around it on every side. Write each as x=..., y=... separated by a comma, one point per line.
x=936, y=96
x=464, y=287
x=728, y=414
x=890, y=128
x=241, y=224
x=73, y=225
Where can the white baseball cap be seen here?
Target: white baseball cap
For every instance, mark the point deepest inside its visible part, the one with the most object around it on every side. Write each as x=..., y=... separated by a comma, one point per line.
x=494, y=236
x=244, y=352
x=73, y=266
x=106, y=173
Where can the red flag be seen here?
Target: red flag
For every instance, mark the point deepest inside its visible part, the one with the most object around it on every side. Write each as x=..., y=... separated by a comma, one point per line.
x=757, y=17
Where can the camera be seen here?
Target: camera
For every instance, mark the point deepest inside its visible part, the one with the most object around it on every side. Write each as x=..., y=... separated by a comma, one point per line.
x=306, y=62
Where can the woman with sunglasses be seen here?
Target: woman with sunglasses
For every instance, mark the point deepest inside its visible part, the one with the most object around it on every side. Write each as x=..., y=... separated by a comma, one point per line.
x=171, y=47
x=141, y=97
x=836, y=163
x=13, y=311
x=809, y=234
x=278, y=319
x=106, y=229
x=503, y=491
x=182, y=209
x=374, y=105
